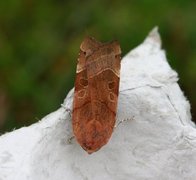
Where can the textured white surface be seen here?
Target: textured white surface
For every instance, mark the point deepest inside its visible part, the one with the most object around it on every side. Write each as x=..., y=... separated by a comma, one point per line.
x=156, y=142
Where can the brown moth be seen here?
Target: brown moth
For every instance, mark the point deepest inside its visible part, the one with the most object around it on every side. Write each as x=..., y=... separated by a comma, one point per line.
x=96, y=93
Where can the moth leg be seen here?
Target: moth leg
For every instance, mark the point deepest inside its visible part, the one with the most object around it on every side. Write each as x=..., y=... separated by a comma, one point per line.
x=70, y=139
x=123, y=120
x=66, y=109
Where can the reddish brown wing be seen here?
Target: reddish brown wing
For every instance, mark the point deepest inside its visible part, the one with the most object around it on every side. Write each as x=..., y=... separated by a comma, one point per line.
x=96, y=93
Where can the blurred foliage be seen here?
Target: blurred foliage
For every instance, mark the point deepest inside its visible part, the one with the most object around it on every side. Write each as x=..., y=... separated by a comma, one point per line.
x=39, y=44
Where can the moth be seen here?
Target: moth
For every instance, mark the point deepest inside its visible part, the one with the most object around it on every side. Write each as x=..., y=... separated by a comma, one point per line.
x=96, y=93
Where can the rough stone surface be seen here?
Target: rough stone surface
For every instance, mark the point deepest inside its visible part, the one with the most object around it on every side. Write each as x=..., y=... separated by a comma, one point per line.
x=156, y=138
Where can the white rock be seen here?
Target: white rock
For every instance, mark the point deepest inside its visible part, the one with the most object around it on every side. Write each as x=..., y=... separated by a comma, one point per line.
x=157, y=140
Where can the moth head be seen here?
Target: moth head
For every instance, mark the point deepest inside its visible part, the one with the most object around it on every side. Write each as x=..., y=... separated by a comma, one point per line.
x=89, y=45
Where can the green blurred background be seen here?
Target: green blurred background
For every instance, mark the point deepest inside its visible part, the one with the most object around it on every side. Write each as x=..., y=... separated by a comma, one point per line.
x=39, y=44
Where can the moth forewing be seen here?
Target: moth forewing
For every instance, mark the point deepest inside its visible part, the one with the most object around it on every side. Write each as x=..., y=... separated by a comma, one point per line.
x=96, y=93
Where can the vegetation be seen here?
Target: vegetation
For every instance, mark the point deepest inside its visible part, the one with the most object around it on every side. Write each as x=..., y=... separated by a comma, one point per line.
x=39, y=44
